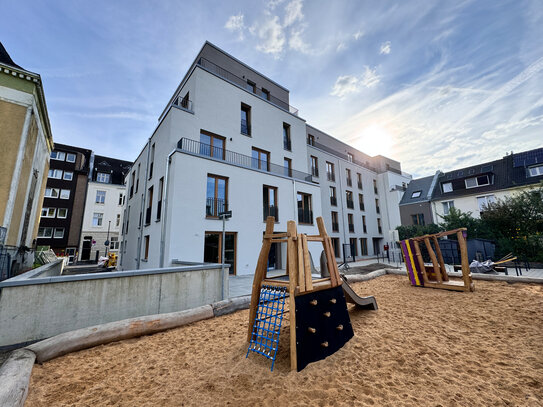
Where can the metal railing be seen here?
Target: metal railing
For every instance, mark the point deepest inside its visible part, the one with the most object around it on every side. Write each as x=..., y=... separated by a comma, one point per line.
x=333, y=201
x=216, y=69
x=271, y=210
x=5, y=263
x=350, y=204
x=330, y=176
x=344, y=156
x=305, y=216
x=214, y=206
x=315, y=171
x=202, y=149
x=183, y=103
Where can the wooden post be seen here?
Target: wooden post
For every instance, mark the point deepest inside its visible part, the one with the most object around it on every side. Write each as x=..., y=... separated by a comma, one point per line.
x=300, y=263
x=437, y=271
x=421, y=262
x=466, y=274
x=307, y=265
x=444, y=274
x=260, y=274
x=330, y=258
x=293, y=262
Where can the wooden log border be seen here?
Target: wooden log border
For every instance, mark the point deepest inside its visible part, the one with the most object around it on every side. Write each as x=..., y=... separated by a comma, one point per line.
x=16, y=370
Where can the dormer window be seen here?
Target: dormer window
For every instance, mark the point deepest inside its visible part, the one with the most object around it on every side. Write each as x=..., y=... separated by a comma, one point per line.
x=416, y=194
x=103, y=177
x=535, y=171
x=477, y=181
x=447, y=187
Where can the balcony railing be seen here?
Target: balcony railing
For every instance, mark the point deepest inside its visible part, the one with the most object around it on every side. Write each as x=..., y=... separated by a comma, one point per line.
x=245, y=128
x=240, y=160
x=271, y=210
x=360, y=185
x=183, y=103
x=349, y=182
x=214, y=206
x=362, y=208
x=148, y=212
x=229, y=76
x=350, y=204
x=305, y=216
x=315, y=171
x=331, y=176
x=333, y=201
x=335, y=227
x=351, y=227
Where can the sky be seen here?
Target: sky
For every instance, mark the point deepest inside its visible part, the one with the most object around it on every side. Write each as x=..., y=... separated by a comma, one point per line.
x=436, y=85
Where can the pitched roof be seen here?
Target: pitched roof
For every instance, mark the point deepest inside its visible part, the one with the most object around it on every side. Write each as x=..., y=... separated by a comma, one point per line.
x=5, y=58
x=418, y=190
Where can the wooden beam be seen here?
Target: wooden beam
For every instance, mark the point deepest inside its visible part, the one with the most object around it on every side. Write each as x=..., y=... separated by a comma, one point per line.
x=300, y=265
x=275, y=235
x=436, y=265
x=444, y=274
x=293, y=261
x=466, y=274
x=315, y=238
x=420, y=260
x=260, y=274
x=307, y=265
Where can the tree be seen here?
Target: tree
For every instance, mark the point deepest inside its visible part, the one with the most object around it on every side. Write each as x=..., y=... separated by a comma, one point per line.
x=456, y=219
x=407, y=232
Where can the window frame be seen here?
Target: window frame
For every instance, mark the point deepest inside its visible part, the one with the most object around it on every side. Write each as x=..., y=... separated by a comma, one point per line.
x=260, y=152
x=446, y=187
x=65, y=214
x=215, y=194
x=477, y=184
x=314, y=166
x=53, y=173
x=51, y=196
x=57, y=154
x=43, y=229
x=66, y=173
x=68, y=155
x=101, y=175
x=303, y=208
x=99, y=219
x=247, y=109
x=55, y=233
x=288, y=168
x=448, y=205
x=287, y=139
x=47, y=212
x=330, y=171
x=417, y=193
x=62, y=191
x=100, y=195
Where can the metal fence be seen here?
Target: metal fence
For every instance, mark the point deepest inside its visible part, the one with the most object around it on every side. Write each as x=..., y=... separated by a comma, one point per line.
x=5, y=263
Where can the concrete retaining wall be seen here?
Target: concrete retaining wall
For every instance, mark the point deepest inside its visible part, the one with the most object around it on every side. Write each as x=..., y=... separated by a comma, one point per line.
x=37, y=308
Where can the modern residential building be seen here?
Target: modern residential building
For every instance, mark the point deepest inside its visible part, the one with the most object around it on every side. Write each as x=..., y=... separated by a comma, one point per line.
x=64, y=200
x=104, y=202
x=228, y=140
x=470, y=189
x=24, y=162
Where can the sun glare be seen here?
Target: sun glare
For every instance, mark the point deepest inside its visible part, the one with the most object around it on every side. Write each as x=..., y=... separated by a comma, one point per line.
x=374, y=140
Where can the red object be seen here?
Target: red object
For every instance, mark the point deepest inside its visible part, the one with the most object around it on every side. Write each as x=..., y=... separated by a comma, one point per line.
x=386, y=247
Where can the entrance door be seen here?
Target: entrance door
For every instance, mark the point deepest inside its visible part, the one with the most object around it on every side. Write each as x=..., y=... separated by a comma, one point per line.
x=213, y=249
x=86, y=249
x=376, y=245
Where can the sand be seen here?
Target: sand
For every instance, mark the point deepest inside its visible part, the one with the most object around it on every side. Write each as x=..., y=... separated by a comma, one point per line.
x=423, y=347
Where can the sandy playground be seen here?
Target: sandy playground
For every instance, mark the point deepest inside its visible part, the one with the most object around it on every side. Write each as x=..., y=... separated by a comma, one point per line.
x=424, y=347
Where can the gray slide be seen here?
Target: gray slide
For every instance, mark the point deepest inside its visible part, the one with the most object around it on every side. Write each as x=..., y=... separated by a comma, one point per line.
x=354, y=298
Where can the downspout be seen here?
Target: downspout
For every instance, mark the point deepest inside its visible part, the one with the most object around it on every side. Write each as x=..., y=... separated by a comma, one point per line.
x=143, y=197
x=164, y=210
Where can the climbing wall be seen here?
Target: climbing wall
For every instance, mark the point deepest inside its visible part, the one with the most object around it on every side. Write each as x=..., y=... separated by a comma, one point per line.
x=323, y=325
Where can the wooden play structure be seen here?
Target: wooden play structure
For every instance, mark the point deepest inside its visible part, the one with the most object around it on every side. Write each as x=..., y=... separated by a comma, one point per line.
x=319, y=319
x=435, y=275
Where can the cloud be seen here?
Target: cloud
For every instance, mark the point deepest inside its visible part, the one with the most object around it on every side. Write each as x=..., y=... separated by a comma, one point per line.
x=357, y=35
x=235, y=24
x=271, y=36
x=297, y=43
x=348, y=84
x=341, y=46
x=385, y=48
x=293, y=12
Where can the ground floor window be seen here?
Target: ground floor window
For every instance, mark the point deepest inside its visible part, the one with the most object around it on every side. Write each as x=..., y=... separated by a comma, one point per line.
x=354, y=246
x=335, y=245
x=213, y=249
x=363, y=246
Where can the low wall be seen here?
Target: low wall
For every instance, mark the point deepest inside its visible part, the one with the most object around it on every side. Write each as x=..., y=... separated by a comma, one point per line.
x=39, y=307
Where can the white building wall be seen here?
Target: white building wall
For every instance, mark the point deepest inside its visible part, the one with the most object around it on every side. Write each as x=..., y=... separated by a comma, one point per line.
x=392, y=186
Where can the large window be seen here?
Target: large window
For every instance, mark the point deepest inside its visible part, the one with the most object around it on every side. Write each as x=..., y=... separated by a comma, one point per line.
x=336, y=245
x=58, y=155
x=286, y=137
x=149, y=210
x=70, y=157
x=477, y=181
x=305, y=212
x=245, y=119
x=269, y=200
x=52, y=192
x=45, y=232
x=335, y=223
x=350, y=221
x=48, y=212
x=103, y=177
x=159, y=201
x=375, y=190
x=359, y=180
x=62, y=213
x=535, y=171
x=348, y=177
x=330, y=175
x=212, y=145
x=418, y=219
x=68, y=175
x=447, y=205
x=97, y=219
x=363, y=246
x=484, y=201
x=379, y=227
x=261, y=159
x=333, y=198
x=310, y=140
x=446, y=187
x=146, y=247
x=354, y=246
x=59, y=233
x=57, y=174
x=377, y=207
x=64, y=194
x=287, y=165
x=216, y=195
x=314, y=166
x=364, y=227
x=152, y=160
x=100, y=197
x=350, y=157
x=349, y=199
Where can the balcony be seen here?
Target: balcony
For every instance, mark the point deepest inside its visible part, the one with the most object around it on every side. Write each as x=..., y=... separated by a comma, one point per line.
x=360, y=185
x=315, y=171
x=351, y=227
x=362, y=208
x=205, y=150
x=349, y=182
x=245, y=128
x=350, y=204
x=148, y=212
x=183, y=103
x=214, y=206
x=333, y=201
x=335, y=227
x=271, y=210
x=330, y=176
x=305, y=216
x=242, y=83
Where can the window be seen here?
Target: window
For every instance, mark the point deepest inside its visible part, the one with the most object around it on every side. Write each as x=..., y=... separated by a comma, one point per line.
x=349, y=157
x=377, y=208
x=48, y=212
x=97, y=218
x=364, y=227
x=310, y=140
x=348, y=176
x=287, y=165
x=261, y=159
x=114, y=243
x=245, y=119
x=314, y=166
x=359, y=179
x=118, y=220
x=68, y=175
x=185, y=102
x=159, y=201
x=59, y=233
x=149, y=210
x=535, y=171
x=305, y=213
x=350, y=221
x=265, y=94
x=418, y=219
x=335, y=223
x=330, y=175
x=64, y=194
x=447, y=205
x=379, y=227
x=52, y=192
x=45, y=232
x=120, y=199
x=138, y=178
x=363, y=246
x=103, y=177
x=62, y=213
x=447, y=187
x=100, y=197
x=251, y=86
x=375, y=190
x=216, y=195
x=146, y=247
x=484, y=201
x=335, y=245
x=58, y=155
x=269, y=200
x=416, y=194
x=477, y=181
x=70, y=157
x=286, y=137
x=152, y=159
x=57, y=174
x=132, y=184
x=349, y=198
x=354, y=246
x=212, y=145
x=361, y=202
x=333, y=198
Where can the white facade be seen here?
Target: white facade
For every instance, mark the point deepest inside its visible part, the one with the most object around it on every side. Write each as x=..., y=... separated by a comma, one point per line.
x=103, y=212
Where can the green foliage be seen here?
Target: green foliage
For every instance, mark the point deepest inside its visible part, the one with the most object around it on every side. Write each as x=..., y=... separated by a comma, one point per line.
x=407, y=232
x=458, y=219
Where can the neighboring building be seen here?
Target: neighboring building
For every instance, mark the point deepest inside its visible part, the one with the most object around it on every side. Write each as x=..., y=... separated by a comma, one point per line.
x=64, y=200
x=415, y=205
x=229, y=140
x=24, y=161
x=102, y=218
x=470, y=189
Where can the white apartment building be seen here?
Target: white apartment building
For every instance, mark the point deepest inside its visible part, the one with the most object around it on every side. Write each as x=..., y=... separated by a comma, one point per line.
x=228, y=140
